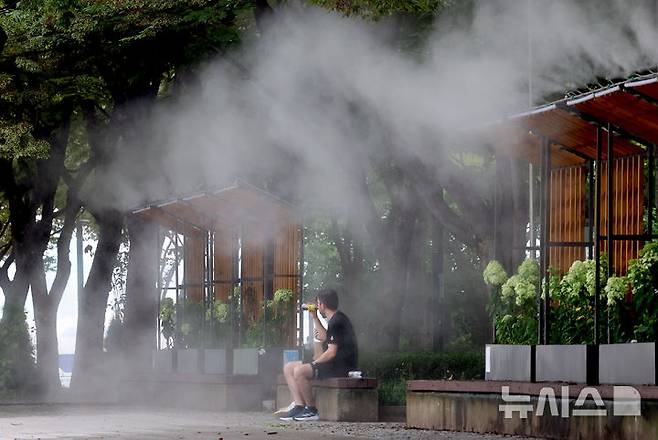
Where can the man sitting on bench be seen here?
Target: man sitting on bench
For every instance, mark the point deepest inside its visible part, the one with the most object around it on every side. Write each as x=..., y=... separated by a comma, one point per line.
x=335, y=355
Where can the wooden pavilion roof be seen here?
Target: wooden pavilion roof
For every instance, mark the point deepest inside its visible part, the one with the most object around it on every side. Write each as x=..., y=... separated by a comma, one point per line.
x=231, y=206
x=570, y=125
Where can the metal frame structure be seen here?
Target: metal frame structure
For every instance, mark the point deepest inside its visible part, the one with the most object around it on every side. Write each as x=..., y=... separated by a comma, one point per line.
x=172, y=215
x=550, y=147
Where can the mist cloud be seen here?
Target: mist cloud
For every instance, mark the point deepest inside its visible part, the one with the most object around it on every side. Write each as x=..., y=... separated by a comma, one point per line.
x=318, y=92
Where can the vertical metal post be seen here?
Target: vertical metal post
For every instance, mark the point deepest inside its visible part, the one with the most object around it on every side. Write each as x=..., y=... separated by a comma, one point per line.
x=495, y=217
x=542, y=242
x=651, y=204
x=176, y=278
x=211, y=284
x=158, y=287
x=206, y=324
x=597, y=214
x=610, y=232
x=301, y=284
x=240, y=288
x=654, y=180
x=185, y=275
x=652, y=187
x=590, y=208
x=531, y=209
x=547, y=260
x=263, y=275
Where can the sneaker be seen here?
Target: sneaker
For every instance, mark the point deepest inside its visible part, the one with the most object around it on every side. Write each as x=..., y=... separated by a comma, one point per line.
x=285, y=409
x=307, y=415
x=294, y=412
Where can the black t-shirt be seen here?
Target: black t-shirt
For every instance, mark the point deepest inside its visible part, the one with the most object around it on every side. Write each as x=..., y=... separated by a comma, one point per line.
x=341, y=333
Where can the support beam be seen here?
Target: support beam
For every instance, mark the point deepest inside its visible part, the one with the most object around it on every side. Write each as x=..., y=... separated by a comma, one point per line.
x=590, y=208
x=610, y=212
x=600, y=122
x=178, y=220
x=652, y=186
x=158, y=285
x=301, y=285
x=573, y=151
x=597, y=223
x=547, y=260
x=638, y=94
x=542, y=244
x=531, y=207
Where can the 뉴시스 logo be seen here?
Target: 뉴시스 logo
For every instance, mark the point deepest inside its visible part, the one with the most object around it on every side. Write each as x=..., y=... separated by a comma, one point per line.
x=626, y=401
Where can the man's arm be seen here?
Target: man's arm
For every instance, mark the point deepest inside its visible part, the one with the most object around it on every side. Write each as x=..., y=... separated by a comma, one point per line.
x=320, y=331
x=320, y=335
x=328, y=355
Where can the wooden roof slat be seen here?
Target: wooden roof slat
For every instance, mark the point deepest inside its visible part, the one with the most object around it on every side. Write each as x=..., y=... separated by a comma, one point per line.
x=572, y=124
x=626, y=111
x=231, y=206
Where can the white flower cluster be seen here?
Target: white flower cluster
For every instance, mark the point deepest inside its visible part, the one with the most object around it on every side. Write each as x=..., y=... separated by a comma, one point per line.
x=494, y=274
x=522, y=287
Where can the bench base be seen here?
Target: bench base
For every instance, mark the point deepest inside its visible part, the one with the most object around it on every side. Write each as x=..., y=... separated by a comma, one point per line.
x=337, y=401
x=207, y=392
x=475, y=407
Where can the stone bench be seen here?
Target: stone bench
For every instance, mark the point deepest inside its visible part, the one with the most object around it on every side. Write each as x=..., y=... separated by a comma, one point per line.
x=339, y=399
x=214, y=392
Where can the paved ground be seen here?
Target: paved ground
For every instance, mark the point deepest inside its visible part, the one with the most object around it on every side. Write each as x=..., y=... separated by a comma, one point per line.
x=126, y=423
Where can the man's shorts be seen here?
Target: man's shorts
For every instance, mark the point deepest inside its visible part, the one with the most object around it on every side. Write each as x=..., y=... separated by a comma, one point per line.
x=327, y=370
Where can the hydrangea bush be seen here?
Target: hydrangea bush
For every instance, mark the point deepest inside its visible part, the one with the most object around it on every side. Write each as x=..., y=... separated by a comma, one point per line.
x=513, y=302
x=514, y=308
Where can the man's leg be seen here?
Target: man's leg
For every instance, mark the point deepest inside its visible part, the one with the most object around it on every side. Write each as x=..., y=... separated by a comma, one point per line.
x=289, y=374
x=302, y=376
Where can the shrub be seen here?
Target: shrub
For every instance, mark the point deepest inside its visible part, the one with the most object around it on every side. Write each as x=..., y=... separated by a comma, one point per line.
x=270, y=327
x=394, y=369
x=643, y=276
x=17, y=368
x=572, y=303
x=198, y=326
x=513, y=304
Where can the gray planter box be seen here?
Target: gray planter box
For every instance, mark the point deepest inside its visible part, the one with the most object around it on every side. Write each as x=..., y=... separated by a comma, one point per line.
x=163, y=361
x=509, y=362
x=214, y=361
x=632, y=364
x=245, y=361
x=187, y=361
x=566, y=363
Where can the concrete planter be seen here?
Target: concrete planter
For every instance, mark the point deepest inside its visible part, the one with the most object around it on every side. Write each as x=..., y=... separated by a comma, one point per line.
x=566, y=363
x=245, y=361
x=187, y=361
x=214, y=361
x=632, y=364
x=510, y=362
x=163, y=361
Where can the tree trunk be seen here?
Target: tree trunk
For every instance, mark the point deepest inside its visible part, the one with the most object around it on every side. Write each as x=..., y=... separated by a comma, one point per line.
x=418, y=312
x=140, y=323
x=15, y=296
x=45, y=318
x=89, y=355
